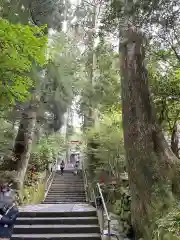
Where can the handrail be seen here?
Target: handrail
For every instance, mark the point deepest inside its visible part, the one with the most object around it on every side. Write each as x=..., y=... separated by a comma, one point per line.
x=85, y=181
x=48, y=183
x=105, y=210
x=49, y=180
x=89, y=198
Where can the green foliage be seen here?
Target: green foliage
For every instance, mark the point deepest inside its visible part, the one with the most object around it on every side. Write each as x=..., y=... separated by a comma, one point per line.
x=34, y=194
x=21, y=47
x=106, y=146
x=7, y=134
x=165, y=84
x=168, y=228
x=107, y=79
x=60, y=83
x=46, y=151
x=104, y=91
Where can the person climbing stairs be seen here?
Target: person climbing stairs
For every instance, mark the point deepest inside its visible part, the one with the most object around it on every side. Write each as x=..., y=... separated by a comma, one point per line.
x=64, y=214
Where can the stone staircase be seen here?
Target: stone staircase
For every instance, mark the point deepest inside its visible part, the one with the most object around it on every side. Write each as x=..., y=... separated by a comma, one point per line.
x=60, y=217
x=66, y=188
x=67, y=225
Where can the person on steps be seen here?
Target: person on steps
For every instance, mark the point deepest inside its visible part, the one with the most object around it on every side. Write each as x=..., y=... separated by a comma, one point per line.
x=8, y=212
x=76, y=167
x=62, y=165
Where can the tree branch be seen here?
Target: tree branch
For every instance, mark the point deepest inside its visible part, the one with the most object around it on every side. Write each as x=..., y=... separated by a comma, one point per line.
x=176, y=54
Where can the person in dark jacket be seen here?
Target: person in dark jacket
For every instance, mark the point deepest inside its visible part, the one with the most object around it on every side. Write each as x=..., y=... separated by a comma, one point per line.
x=8, y=213
x=62, y=166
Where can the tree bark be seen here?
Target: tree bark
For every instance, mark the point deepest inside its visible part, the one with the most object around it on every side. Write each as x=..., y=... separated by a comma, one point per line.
x=150, y=162
x=175, y=140
x=18, y=162
x=23, y=143
x=88, y=117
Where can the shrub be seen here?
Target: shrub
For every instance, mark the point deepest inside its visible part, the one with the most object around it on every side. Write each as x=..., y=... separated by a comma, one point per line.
x=46, y=151
x=168, y=227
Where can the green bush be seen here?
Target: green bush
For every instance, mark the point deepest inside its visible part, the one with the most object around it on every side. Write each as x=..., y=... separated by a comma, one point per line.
x=168, y=228
x=105, y=148
x=46, y=151
x=34, y=194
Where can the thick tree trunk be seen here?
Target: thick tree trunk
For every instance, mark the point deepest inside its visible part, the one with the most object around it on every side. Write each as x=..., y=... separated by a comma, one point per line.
x=175, y=140
x=23, y=143
x=149, y=159
x=18, y=162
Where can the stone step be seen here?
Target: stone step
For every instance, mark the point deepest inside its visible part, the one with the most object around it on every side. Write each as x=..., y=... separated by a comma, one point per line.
x=68, y=176
x=59, y=185
x=71, y=186
x=64, y=202
x=91, y=236
x=66, y=190
x=68, y=171
x=39, y=214
x=68, y=200
x=78, y=180
x=70, y=182
x=64, y=197
x=68, y=194
x=61, y=188
x=65, y=221
x=38, y=229
x=61, y=178
x=62, y=193
x=58, y=220
x=66, y=187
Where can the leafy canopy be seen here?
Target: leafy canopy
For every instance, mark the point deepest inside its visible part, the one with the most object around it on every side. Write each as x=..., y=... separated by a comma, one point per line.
x=21, y=47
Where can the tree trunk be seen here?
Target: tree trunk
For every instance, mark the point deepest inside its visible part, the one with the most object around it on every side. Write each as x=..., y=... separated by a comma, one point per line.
x=22, y=146
x=149, y=159
x=88, y=117
x=23, y=143
x=175, y=141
